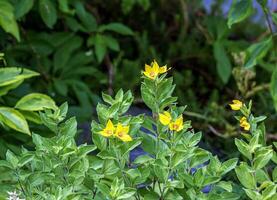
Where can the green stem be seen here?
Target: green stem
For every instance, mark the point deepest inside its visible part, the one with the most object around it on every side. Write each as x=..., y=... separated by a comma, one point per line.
x=20, y=184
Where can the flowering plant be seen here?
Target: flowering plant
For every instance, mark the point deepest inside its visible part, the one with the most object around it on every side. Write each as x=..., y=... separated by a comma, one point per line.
x=170, y=164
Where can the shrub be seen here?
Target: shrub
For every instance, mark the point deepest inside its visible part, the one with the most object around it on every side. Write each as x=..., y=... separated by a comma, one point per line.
x=171, y=165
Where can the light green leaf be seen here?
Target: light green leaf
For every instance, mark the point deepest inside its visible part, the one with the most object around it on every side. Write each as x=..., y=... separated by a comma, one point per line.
x=256, y=52
x=10, y=75
x=239, y=11
x=262, y=157
x=243, y=148
x=14, y=119
x=7, y=19
x=48, y=12
x=5, y=89
x=229, y=165
x=245, y=176
x=35, y=102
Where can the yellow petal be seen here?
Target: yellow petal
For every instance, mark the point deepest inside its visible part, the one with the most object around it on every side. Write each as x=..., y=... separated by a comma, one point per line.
x=244, y=124
x=105, y=133
x=179, y=121
x=163, y=69
x=236, y=105
x=155, y=67
x=118, y=128
x=121, y=130
x=177, y=125
x=165, y=118
x=148, y=68
x=125, y=129
x=243, y=119
x=150, y=75
x=110, y=125
x=247, y=127
x=126, y=138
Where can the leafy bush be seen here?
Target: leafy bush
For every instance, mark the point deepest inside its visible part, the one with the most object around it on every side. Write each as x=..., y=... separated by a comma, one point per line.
x=172, y=165
x=14, y=118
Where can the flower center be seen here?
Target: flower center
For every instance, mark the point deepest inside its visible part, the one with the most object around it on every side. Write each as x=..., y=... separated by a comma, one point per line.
x=152, y=74
x=120, y=134
x=109, y=132
x=175, y=126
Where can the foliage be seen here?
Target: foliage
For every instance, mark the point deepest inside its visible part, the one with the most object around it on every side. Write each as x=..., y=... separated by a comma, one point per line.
x=81, y=48
x=173, y=166
x=14, y=119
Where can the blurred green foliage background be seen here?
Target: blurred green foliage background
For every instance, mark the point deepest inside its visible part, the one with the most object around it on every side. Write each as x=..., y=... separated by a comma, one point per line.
x=82, y=48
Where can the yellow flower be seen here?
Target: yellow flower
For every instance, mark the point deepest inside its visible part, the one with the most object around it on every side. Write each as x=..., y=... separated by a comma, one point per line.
x=108, y=131
x=122, y=133
x=177, y=125
x=236, y=105
x=154, y=70
x=244, y=124
x=165, y=118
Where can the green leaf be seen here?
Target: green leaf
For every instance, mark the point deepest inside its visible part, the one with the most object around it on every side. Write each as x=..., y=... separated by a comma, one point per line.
x=11, y=158
x=69, y=127
x=7, y=19
x=223, y=64
x=14, y=119
x=116, y=27
x=262, y=157
x=87, y=19
x=229, y=165
x=48, y=12
x=143, y=159
x=5, y=89
x=65, y=52
x=253, y=195
x=245, y=176
x=22, y=7
x=23, y=160
x=199, y=157
x=273, y=88
x=11, y=75
x=130, y=146
x=127, y=193
x=225, y=185
x=100, y=48
x=239, y=11
x=256, y=52
x=6, y=164
x=64, y=7
x=148, y=97
x=269, y=192
x=112, y=43
x=36, y=102
x=243, y=148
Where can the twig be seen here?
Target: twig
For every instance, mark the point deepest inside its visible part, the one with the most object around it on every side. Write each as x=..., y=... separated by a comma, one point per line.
x=184, y=8
x=257, y=89
x=197, y=115
x=214, y=131
x=271, y=136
